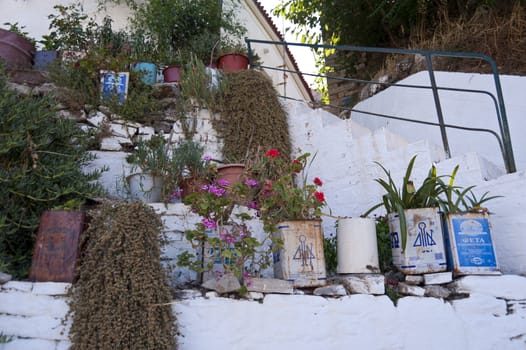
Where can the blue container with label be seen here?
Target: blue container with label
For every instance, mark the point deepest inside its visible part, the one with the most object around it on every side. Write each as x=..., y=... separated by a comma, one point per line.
x=147, y=71
x=469, y=244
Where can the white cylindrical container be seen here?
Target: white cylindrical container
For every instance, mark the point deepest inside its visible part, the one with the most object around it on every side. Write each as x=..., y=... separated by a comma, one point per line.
x=357, y=248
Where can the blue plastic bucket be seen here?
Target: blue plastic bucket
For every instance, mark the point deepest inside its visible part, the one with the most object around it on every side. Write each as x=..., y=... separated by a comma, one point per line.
x=147, y=70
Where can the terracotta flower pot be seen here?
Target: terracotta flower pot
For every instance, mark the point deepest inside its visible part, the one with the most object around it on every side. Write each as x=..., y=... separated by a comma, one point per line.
x=233, y=173
x=172, y=74
x=233, y=62
x=15, y=50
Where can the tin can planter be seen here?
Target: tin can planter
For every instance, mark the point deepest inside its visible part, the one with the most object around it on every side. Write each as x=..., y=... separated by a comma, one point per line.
x=145, y=187
x=57, y=246
x=301, y=259
x=469, y=244
x=357, y=246
x=425, y=250
x=147, y=71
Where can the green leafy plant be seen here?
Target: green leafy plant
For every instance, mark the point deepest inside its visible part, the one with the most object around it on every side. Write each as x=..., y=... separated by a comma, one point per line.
x=457, y=199
x=383, y=239
x=286, y=192
x=42, y=161
x=20, y=30
x=223, y=231
x=330, y=252
x=70, y=29
x=407, y=196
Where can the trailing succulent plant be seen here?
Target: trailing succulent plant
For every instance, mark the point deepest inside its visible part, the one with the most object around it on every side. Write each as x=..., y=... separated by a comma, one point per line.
x=121, y=299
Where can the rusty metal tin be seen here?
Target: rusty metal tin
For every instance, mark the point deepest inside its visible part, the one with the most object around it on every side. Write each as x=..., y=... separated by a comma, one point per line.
x=57, y=246
x=425, y=250
x=301, y=259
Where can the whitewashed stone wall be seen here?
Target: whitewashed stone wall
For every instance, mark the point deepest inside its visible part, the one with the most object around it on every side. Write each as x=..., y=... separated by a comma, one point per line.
x=492, y=317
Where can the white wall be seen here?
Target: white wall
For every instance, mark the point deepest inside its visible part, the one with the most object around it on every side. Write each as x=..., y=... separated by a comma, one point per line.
x=492, y=317
x=33, y=14
x=464, y=109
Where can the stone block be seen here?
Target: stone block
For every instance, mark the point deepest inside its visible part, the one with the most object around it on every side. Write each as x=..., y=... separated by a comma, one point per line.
x=414, y=280
x=270, y=285
x=254, y=296
x=407, y=289
x=225, y=284
x=18, y=285
x=29, y=304
x=51, y=288
x=5, y=277
x=510, y=287
x=436, y=291
x=41, y=327
x=333, y=290
x=188, y=294
x=29, y=344
x=363, y=283
x=438, y=278
x=114, y=143
x=97, y=119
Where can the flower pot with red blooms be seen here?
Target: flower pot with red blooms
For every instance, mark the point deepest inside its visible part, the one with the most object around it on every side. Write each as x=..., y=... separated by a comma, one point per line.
x=290, y=205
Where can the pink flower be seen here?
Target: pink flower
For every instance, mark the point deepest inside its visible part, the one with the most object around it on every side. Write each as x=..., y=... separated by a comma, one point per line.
x=318, y=182
x=319, y=196
x=251, y=183
x=223, y=182
x=211, y=224
x=272, y=153
x=218, y=191
x=252, y=205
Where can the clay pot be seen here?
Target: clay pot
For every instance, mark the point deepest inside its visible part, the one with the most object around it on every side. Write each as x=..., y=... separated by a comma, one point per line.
x=233, y=62
x=15, y=50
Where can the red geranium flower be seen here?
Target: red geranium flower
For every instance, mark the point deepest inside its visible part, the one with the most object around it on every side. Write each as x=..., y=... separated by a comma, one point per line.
x=319, y=196
x=272, y=153
x=318, y=182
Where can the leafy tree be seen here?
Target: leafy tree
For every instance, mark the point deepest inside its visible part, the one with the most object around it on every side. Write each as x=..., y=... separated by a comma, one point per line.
x=41, y=160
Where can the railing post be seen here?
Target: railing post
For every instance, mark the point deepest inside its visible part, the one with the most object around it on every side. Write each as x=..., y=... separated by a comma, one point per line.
x=249, y=51
x=509, y=158
x=438, y=107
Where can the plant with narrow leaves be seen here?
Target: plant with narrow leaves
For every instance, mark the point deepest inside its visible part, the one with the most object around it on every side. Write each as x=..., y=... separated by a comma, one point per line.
x=407, y=196
x=456, y=199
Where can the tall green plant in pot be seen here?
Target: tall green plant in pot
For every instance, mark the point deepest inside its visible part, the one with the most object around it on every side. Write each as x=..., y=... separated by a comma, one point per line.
x=154, y=172
x=414, y=220
x=468, y=229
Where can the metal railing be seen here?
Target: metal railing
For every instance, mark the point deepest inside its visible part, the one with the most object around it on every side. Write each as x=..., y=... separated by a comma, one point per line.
x=503, y=139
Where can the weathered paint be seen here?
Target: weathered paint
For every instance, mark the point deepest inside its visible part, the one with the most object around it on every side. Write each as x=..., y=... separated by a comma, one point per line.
x=469, y=244
x=425, y=251
x=301, y=259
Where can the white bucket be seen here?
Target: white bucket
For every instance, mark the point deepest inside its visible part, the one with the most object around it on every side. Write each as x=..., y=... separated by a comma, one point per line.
x=145, y=187
x=357, y=247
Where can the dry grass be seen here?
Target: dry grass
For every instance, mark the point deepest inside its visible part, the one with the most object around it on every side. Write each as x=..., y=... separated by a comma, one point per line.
x=121, y=299
x=500, y=36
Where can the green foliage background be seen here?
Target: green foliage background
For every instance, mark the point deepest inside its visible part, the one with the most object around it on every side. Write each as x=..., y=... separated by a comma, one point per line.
x=41, y=157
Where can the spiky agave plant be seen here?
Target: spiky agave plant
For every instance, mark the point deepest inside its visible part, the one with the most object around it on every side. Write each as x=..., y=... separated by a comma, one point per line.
x=407, y=196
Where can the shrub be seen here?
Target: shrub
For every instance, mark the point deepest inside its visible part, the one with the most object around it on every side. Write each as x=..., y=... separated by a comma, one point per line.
x=41, y=160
